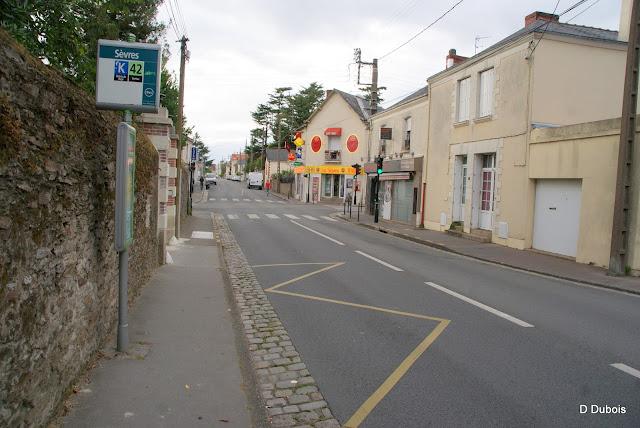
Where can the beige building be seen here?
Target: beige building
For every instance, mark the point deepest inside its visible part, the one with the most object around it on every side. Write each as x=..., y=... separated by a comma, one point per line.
x=399, y=135
x=483, y=171
x=336, y=136
x=582, y=157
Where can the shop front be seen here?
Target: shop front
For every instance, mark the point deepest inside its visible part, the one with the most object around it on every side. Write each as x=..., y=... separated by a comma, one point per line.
x=329, y=183
x=398, y=190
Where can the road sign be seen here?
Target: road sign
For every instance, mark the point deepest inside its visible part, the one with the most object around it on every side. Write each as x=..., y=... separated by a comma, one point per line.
x=125, y=185
x=291, y=156
x=128, y=76
x=297, y=163
x=194, y=153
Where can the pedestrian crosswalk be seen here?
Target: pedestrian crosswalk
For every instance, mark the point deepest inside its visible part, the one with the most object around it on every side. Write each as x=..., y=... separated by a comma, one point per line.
x=269, y=201
x=271, y=216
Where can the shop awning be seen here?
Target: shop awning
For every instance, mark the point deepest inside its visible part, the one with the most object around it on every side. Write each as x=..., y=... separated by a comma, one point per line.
x=333, y=132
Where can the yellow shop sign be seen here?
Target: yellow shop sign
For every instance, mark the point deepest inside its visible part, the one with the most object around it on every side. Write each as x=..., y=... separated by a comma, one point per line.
x=325, y=169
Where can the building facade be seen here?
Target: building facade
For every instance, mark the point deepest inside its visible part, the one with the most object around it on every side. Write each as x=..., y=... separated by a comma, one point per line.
x=336, y=136
x=159, y=128
x=482, y=112
x=399, y=136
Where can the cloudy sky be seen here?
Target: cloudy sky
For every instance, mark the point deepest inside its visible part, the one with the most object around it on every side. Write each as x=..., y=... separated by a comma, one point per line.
x=242, y=49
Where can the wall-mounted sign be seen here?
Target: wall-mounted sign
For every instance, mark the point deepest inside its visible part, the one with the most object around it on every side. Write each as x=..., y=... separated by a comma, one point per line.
x=385, y=133
x=352, y=143
x=333, y=132
x=291, y=156
x=128, y=76
x=194, y=153
x=298, y=141
x=125, y=185
x=316, y=143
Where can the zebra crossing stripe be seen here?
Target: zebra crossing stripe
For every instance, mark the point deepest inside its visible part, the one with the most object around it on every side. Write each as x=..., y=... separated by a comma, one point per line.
x=212, y=199
x=248, y=200
x=328, y=218
x=291, y=216
x=310, y=217
x=253, y=216
x=235, y=199
x=272, y=216
x=232, y=216
x=269, y=201
x=280, y=202
x=223, y=199
x=258, y=200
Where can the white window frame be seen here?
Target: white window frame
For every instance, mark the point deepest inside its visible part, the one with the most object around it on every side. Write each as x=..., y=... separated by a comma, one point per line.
x=486, y=85
x=407, y=134
x=463, y=95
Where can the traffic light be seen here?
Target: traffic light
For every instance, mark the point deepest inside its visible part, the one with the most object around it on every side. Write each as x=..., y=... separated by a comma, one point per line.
x=379, y=168
x=356, y=166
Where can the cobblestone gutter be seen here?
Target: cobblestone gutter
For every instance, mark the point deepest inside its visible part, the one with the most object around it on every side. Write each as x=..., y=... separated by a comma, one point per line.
x=289, y=393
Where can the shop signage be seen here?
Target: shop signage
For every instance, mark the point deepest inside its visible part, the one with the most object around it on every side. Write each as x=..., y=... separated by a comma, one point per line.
x=352, y=143
x=291, y=156
x=326, y=169
x=316, y=143
x=333, y=132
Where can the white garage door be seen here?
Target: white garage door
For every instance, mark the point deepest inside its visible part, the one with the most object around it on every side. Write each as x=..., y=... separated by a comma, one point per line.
x=556, y=218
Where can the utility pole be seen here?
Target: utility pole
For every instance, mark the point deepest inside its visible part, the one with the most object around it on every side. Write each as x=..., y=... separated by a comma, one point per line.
x=183, y=59
x=373, y=103
x=622, y=207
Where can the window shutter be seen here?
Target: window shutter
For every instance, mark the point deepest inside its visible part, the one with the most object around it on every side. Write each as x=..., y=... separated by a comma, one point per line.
x=486, y=93
x=463, y=100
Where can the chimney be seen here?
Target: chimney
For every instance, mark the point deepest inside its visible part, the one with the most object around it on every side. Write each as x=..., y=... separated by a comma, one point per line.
x=625, y=21
x=454, y=59
x=540, y=16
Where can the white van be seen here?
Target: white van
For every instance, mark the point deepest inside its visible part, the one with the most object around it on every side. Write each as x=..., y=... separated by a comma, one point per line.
x=254, y=179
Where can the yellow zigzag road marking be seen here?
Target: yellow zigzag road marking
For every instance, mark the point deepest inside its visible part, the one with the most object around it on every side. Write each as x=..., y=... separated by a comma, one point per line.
x=365, y=409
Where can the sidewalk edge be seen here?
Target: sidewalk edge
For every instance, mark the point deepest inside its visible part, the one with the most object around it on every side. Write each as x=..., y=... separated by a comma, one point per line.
x=441, y=247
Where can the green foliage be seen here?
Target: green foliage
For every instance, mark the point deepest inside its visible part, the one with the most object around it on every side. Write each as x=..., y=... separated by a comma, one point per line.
x=284, y=176
x=284, y=113
x=366, y=93
x=65, y=33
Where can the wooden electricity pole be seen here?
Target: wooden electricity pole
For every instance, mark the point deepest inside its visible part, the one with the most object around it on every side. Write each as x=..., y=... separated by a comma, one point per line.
x=183, y=60
x=622, y=209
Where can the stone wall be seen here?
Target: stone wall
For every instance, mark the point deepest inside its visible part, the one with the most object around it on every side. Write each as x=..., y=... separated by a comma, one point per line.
x=58, y=265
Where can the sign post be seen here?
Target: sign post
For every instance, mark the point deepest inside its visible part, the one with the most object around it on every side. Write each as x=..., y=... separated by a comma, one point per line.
x=127, y=78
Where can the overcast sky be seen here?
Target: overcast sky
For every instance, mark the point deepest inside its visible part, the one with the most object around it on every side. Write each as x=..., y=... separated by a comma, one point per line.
x=242, y=49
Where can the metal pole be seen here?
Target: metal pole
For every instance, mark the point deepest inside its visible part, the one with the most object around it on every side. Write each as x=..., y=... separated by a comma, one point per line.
x=123, y=293
x=622, y=208
x=123, y=288
x=376, y=202
x=374, y=86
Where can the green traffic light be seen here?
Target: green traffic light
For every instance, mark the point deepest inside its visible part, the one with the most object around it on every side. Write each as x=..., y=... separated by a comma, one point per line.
x=379, y=171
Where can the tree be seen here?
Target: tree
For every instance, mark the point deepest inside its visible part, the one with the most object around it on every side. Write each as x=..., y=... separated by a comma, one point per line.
x=366, y=93
x=65, y=33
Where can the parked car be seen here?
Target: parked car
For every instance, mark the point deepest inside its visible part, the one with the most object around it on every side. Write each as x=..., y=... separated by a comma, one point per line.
x=210, y=179
x=254, y=179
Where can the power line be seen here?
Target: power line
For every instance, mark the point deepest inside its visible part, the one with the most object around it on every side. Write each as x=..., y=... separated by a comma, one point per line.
x=546, y=25
x=171, y=18
x=573, y=7
x=423, y=30
x=583, y=11
x=181, y=17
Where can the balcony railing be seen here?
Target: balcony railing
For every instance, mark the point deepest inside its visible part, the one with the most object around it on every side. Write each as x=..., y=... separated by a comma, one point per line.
x=332, y=156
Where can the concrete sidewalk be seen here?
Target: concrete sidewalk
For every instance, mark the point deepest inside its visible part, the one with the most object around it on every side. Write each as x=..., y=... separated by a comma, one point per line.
x=182, y=368
x=531, y=261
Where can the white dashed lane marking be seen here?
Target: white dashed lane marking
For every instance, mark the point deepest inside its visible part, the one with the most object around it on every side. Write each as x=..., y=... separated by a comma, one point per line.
x=232, y=216
x=272, y=216
x=310, y=217
x=253, y=216
x=292, y=216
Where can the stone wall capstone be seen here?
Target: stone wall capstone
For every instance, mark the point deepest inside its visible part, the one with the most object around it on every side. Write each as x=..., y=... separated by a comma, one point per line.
x=58, y=265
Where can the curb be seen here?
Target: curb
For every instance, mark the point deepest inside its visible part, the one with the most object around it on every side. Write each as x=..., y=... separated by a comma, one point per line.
x=287, y=392
x=512, y=266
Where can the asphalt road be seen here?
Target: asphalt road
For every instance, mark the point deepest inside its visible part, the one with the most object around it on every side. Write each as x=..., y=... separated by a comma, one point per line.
x=498, y=347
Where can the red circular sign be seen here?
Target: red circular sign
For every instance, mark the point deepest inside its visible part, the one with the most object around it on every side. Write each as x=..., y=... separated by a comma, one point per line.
x=352, y=143
x=316, y=143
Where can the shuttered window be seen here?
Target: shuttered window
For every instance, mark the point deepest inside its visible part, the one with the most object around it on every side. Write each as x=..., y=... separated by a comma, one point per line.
x=485, y=101
x=463, y=100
